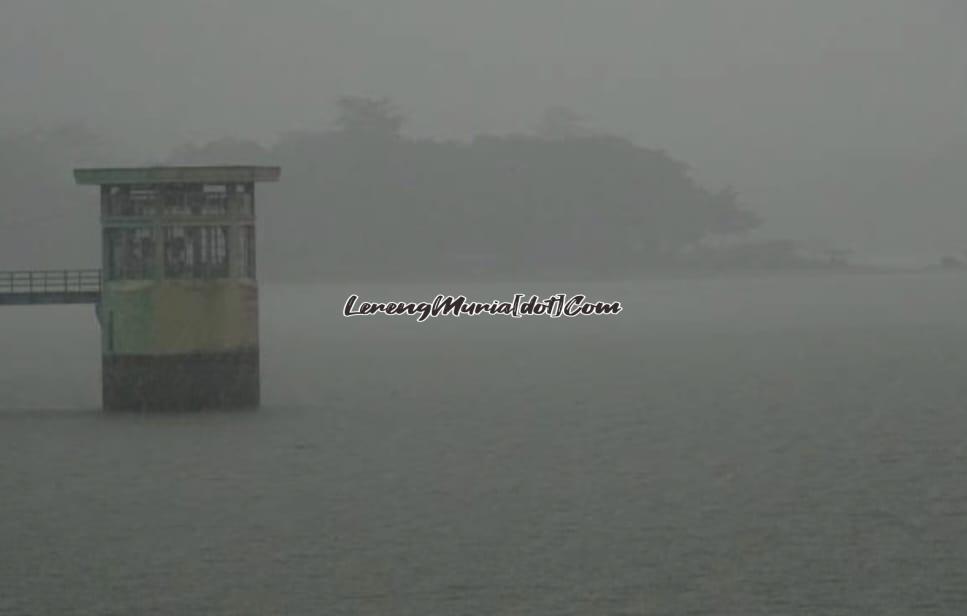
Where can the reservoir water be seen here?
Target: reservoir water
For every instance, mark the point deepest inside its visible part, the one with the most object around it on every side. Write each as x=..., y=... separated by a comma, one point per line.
x=754, y=445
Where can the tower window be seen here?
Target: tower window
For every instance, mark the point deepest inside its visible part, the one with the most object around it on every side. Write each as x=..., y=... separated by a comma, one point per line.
x=130, y=253
x=196, y=251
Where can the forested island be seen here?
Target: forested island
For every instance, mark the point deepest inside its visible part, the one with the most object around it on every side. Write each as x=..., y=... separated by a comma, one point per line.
x=362, y=200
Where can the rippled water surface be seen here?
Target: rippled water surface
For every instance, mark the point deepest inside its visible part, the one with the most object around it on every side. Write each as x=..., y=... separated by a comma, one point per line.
x=746, y=446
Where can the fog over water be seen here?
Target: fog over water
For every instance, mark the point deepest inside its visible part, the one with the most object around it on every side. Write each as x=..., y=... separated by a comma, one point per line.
x=743, y=446
x=773, y=189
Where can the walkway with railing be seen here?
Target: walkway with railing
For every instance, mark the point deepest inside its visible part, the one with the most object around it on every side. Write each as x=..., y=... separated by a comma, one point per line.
x=50, y=287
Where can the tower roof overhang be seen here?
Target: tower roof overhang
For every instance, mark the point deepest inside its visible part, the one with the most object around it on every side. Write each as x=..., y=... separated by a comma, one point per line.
x=226, y=174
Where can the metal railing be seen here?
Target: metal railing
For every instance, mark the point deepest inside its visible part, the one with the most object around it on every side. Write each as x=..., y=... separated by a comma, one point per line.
x=50, y=281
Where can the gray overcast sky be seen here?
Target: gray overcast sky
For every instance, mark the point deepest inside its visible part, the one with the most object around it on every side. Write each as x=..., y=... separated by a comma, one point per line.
x=774, y=96
x=704, y=78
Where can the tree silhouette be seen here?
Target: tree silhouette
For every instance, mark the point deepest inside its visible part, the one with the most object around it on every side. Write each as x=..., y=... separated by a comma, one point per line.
x=361, y=200
x=359, y=115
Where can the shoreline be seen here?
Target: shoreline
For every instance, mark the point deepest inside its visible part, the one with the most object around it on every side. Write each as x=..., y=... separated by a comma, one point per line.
x=669, y=274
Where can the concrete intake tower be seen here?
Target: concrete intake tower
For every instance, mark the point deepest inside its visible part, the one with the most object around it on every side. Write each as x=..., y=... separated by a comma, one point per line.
x=179, y=296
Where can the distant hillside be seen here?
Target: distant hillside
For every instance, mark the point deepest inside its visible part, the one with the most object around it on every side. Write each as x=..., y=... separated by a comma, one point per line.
x=358, y=202
x=363, y=201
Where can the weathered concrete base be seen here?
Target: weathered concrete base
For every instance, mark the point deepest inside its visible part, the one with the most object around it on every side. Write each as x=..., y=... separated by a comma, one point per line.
x=181, y=382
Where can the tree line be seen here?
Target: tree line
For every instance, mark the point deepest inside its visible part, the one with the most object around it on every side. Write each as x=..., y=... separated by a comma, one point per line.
x=362, y=200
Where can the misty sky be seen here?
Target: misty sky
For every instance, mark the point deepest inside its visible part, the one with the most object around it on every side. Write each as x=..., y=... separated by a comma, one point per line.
x=730, y=86
x=701, y=77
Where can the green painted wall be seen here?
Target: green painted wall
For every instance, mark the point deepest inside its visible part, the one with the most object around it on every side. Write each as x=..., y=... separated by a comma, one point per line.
x=167, y=317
